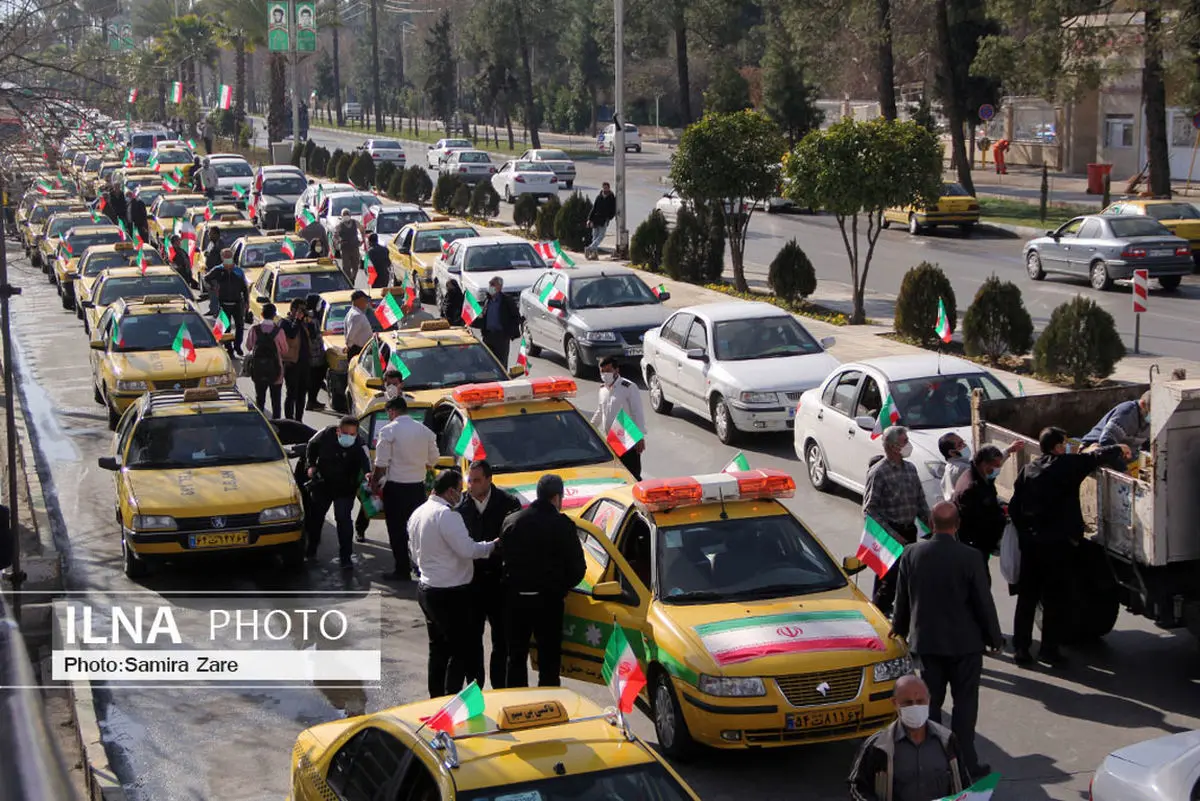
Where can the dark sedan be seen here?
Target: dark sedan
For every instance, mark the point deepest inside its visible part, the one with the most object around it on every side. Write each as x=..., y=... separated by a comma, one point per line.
x=1106, y=249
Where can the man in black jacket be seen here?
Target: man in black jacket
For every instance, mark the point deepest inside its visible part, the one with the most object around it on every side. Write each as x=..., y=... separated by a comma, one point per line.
x=379, y=259
x=227, y=283
x=180, y=260
x=116, y=208
x=139, y=219
x=543, y=560
x=484, y=509
x=603, y=210
x=337, y=464
x=500, y=322
x=1045, y=510
x=981, y=518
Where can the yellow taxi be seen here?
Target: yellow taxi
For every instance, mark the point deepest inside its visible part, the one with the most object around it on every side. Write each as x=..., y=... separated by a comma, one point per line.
x=134, y=350
x=283, y=281
x=52, y=233
x=30, y=199
x=418, y=246
x=749, y=632
x=127, y=283
x=200, y=471
x=955, y=206
x=252, y=253
x=35, y=222
x=65, y=267
x=331, y=322
x=525, y=428
x=1180, y=217
x=97, y=260
x=165, y=210
x=100, y=182
x=232, y=228
x=151, y=184
x=89, y=174
x=200, y=213
x=165, y=160
x=529, y=744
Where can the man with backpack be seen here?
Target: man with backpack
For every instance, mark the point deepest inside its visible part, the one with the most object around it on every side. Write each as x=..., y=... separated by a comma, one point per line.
x=267, y=343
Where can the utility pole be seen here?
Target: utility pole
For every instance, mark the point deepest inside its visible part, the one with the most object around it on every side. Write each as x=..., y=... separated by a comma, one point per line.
x=375, y=64
x=619, y=128
x=10, y=406
x=293, y=31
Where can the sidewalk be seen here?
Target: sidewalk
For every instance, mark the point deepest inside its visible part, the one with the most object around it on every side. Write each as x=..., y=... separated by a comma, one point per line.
x=1025, y=183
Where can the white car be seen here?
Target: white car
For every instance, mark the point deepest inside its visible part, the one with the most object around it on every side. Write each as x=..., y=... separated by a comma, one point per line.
x=560, y=162
x=470, y=166
x=315, y=192
x=516, y=178
x=744, y=365
x=386, y=220
x=381, y=150
x=835, y=421
x=607, y=139
x=329, y=213
x=670, y=204
x=1162, y=769
x=473, y=261
x=444, y=147
x=232, y=172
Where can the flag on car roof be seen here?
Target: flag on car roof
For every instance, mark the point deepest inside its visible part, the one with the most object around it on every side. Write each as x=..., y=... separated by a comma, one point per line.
x=624, y=434
x=239, y=191
x=979, y=791
x=140, y=261
x=445, y=244
x=389, y=312
x=124, y=230
x=118, y=339
x=943, y=329
x=308, y=217
x=878, y=549
x=561, y=260
x=177, y=92
x=738, y=464
x=469, y=446
x=523, y=355
x=889, y=415
x=170, y=183
x=471, y=310
x=183, y=344
x=545, y=250
x=209, y=211
x=397, y=364
x=461, y=708
x=288, y=248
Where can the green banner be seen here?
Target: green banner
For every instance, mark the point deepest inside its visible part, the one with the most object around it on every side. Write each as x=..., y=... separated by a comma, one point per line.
x=278, y=39
x=306, y=26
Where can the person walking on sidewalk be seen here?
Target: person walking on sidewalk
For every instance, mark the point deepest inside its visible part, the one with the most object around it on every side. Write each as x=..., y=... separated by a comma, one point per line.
x=227, y=286
x=338, y=462
x=604, y=209
x=266, y=342
x=316, y=354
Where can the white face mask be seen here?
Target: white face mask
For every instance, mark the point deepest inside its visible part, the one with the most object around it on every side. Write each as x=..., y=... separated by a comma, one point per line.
x=391, y=391
x=906, y=451
x=914, y=717
x=608, y=378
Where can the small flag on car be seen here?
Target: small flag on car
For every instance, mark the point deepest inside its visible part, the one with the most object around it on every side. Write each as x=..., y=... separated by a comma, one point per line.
x=624, y=434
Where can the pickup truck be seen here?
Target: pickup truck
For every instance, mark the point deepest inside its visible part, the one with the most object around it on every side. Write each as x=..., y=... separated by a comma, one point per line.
x=1142, y=547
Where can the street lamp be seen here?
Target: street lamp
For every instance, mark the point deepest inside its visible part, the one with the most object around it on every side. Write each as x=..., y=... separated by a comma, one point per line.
x=619, y=127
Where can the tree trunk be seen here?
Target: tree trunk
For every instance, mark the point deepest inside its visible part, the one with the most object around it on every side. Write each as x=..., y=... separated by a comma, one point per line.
x=531, y=120
x=508, y=124
x=199, y=67
x=681, y=67
x=250, y=89
x=239, y=84
x=277, y=109
x=952, y=107
x=337, y=81
x=735, y=233
x=1154, y=95
x=375, y=66
x=886, y=83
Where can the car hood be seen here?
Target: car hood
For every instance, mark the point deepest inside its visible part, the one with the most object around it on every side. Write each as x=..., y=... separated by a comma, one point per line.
x=649, y=315
x=514, y=280
x=1161, y=752
x=582, y=483
x=280, y=200
x=785, y=374
x=165, y=366
x=240, y=489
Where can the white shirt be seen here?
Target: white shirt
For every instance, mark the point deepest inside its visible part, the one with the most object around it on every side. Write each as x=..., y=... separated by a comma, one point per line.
x=441, y=547
x=358, y=328
x=404, y=449
x=481, y=505
x=954, y=468
x=623, y=394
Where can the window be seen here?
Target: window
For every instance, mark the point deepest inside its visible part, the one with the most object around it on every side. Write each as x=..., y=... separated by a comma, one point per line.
x=842, y=390
x=762, y=338
x=1172, y=211
x=1183, y=133
x=676, y=329
x=869, y=399
x=1137, y=226
x=366, y=764
x=543, y=441
x=503, y=256
x=1091, y=230
x=141, y=286
x=942, y=401
x=1118, y=130
x=635, y=547
x=157, y=332
x=593, y=549
x=605, y=514
x=448, y=366
x=609, y=291
x=203, y=440
x=1071, y=228
x=697, y=337
x=450, y=434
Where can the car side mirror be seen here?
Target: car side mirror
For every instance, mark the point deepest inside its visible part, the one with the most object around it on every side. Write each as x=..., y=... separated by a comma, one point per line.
x=557, y=303
x=263, y=299
x=405, y=249
x=1052, y=234
x=698, y=354
x=374, y=383
x=87, y=304
x=828, y=342
x=109, y=462
x=853, y=565
x=608, y=591
x=865, y=421
x=296, y=451
x=664, y=296
x=445, y=462
x=516, y=371
x=97, y=344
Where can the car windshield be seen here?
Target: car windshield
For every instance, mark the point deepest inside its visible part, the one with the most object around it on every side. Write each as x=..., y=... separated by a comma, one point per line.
x=742, y=559
x=234, y=231
x=138, y=286
x=173, y=155
x=149, y=194
x=553, y=155
x=300, y=285
x=291, y=185
x=78, y=243
x=447, y=366
x=431, y=241
x=649, y=781
x=608, y=291
x=1137, y=226
x=953, y=190
x=355, y=204
x=269, y=252
x=386, y=144
x=173, y=208
x=232, y=169
x=109, y=169
x=942, y=401
x=763, y=338
x=503, y=256
x=1172, y=211
x=202, y=440
x=141, y=141
x=99, y=262
x=547, y=441
x=391, y=222
x=40, y=213
x=60, y=226
x=92, y=165
x=158, y=332
x=335, y=320
x=532, y=166
x=474, y=158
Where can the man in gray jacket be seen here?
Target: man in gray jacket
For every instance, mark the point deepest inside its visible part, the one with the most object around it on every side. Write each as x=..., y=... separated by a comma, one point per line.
x=1127, y=423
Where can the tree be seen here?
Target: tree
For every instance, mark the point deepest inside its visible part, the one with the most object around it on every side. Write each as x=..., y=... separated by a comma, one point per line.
x=707, y=168
x=855, y=170
x=728, y=91
x=331, y=17
x=885, y=63
x=440, y=65
x=959, y=25
x=787, y=98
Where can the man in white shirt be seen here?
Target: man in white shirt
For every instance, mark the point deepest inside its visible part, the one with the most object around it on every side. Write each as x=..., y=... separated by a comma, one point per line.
x=357, y=327
x=444, y=554
x=619, y=394
x=404, y=451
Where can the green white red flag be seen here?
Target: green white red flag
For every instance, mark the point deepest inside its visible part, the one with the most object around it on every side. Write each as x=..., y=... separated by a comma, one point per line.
x=288, y=248
x=177, y=92
x=624, y=433
x=371, y=503
x=222, y=324
x=469, y=446
x=889, y=415
x=183, y=344
x=461, y=708
x=622, y=671
x=140, y=260
x=551, y=292
x=738, y=464
x=133, y=95
x=878, y=549
x=396, y=363
x=170, y=183
x=943, y=328
x=388, y=312
x=659, y=290
x=743, y=639
x=471, y=310
x=239, y=192
x=523, y=355
x=308, y=217
x=118, y=339
x=209, y=211
x=187, y=233
x=979, y=791
x=44, y=186
x=225, y=97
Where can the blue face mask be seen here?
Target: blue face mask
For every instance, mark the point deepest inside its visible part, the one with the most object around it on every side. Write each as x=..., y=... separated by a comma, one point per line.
x=346, y=440
x=995, y=474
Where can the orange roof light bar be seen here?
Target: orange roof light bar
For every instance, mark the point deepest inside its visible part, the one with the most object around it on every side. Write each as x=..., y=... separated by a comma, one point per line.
x=669, y=493
x=476, y=395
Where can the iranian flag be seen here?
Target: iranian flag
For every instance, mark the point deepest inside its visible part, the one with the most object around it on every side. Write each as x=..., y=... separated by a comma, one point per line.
x=469, y=445
x=742, y=639
x=561, y=260
x=624, y=433
x=889, y=415
x=129, y=159
x=878, y=549
x=44, y=186
x=942, y=329
x=372, y=273
x=545, y=250
x=288, y=247
x=471, y=309
x=118, y=339
x=622, y=671
x=133, y=95
x=445, y=245
x=102, y=203
x=523, y=355
x=177, y=92
x=192, y=144
x=140, y=261
x=737, y=464
x=225, y=97
x=170, y=183
x=659, y=290
x=410, y=296
x=371, y=503
x=979, y=791
x=209, y=211
x=183, y=344
x=461, y=708
x=124, y=230
x=397, y=364
x=549, y=293
x=307, y=217
x=389, y=312
x=239, y=192
x=187, y=233
x=222, y=324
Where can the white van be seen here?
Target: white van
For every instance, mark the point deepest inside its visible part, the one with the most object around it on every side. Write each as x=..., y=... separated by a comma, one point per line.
x=633, y=139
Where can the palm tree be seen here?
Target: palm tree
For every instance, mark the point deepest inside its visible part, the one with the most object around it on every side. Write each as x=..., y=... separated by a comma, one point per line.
x=330, y=16
x=243, y=27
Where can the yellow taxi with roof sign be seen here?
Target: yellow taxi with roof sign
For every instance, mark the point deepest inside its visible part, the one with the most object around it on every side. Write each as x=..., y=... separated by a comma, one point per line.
x=1178, y=216
x=99, y=183
x=98, y=259
x=165, y=210
x=252, y=253
x=202, y=471
x=418, y=246
x=71, y=248
x=56, y=225
x=749, y=632
x=31, y=199
x=331, y=322
x=529, y=744
x=282, y=282
x=128, y=283
x=233, y=226
x=35, y=224
x=955, y=206
x=202, y=213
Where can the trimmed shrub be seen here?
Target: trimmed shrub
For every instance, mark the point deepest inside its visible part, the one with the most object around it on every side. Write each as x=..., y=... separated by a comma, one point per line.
x=689, y=252
x=1080, y=343
x=649, y=238
x=570, y=225
x=343, y=168
x=443, y=195
x=297, y=152
x=791, y=275
x=712, y=218
x=460, y=203
x=547, y=216
x=485, y=201
x=416, y=187
x=310, y=147
x=334, y=160
x=316, y=162
x=395, y=187
x=362, y=170
x=917, y=303
x=996, y=322
x=383, y=175
x=526, y=211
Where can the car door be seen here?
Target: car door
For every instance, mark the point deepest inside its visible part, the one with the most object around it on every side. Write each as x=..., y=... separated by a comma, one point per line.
x=835, y=421
x=1086, y=247
x=556, y=322
x=501, y=178
x=1056, y=254
x=693, y=373
x=669, y=353
x=102, y=335
x=543, y=321
x=860, y=447
x=669, y=206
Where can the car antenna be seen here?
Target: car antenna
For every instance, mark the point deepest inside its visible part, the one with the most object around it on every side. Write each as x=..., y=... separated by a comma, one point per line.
x=721, y=498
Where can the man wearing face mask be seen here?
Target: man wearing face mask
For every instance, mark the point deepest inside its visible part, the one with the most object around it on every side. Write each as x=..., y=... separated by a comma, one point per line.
x=981, y=516
x=337, y=463
x=227, y=285
x=914, y=759
x=404, y=450
x=957, y=454
x=893, y=498
x=944, y=609
x=619, y=394
x=500, y=322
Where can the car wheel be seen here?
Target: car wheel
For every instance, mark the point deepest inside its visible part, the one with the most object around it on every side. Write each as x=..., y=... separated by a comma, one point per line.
x=966, y=228
x=293, y=554
x=575, y=364
x=658, y=401
x=1099, y=275
x=97, y=396
x=723, y=421
x=68, y=302
x=533, y=350
x=508, y=198
x=114, y=416
x=818, y=472
x=669, y=725
x=884, y=222
x=133, y=567
x=637, y=149
x=1033, y=266
x=914, y=227
x=1170, y=283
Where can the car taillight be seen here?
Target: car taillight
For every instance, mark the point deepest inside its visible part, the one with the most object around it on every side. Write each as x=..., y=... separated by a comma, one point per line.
x=491, y=169
x=374, y=155
x=518, y=179
x=973, y=207
x=553, y=179
x=462, y=169
x=1134, y=253
x=1183, y=250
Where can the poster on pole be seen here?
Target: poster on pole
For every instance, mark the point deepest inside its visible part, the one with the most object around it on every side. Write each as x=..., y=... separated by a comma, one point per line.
x=277, y=27
x=306, y=26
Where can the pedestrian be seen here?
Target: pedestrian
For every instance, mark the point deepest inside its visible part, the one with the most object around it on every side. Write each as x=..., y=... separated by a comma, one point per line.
x=115, y=208
x=139, y=219
x=444, y=554
x=393, y=387
x=206, y=134
x=227, y=283
x=298, y=328
x=618, y=394
x=267, y=343
x=543, y=560
x=981, y=518
x=357, y=327
x=379, y=258
x=404, y=451
x=957, y=453
x=998, y=155
x=181, y=262
x=452, y=303
x=213, y=252
x=316, y=353
x=1045, y=509
x=894, y=498
x=338, y=463
x=603, y=211
x=348, y=247
x=913, y=759
x=484, y=509
x=945, y=612
x=209, y=180
x=500, y=322
x=197, y=183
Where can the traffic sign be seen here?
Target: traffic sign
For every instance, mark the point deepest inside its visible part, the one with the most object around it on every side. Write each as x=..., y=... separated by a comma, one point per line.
x=987, y=111
x=1141, y=284
x=1196, y=121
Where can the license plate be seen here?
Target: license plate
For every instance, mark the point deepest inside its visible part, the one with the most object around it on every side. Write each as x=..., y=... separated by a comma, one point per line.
x=1164, y=252
x=823, y=718
x=633, y=351
x=221, y=540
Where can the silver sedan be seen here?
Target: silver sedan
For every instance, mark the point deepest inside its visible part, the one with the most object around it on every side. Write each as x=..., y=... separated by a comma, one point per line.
x=1106, y=249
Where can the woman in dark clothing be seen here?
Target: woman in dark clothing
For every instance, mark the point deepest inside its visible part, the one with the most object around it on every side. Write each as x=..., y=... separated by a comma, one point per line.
x=316, y=352
x=298, y=328
x=452, y=303
x=317, y=249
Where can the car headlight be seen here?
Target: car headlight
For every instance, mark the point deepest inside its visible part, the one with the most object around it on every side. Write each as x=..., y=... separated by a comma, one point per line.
x=224, y=379
x=892, y=669
x=759, y=397
x=277, y=514
x=131, y=386
x=936, y=469
x=731, y=686
x=154, y=522
x=599, y=336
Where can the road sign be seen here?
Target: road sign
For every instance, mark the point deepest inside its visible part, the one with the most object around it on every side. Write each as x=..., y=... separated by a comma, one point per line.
x=1196, y=121
x=987, y=111
x=1141, y=284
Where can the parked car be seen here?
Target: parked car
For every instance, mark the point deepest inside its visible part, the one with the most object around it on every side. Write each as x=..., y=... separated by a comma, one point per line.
x=352, y=111
x=1105, y=249
x=560, y=162
x=515, y=178
x=442, y=148
x=671, y=202
x=472, y=261
x=386, y=220
x=607, y=139
x=273, y=202
x=1162, y=769
x=955, y=206
x=470, y=166
x=381, y=150
x=1180, y=217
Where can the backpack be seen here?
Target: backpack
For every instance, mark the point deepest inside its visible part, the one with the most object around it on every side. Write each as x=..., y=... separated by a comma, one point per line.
x=264, y=360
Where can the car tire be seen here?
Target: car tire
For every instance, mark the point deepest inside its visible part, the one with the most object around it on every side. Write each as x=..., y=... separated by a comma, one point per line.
x=637, y=149
x=914, y=226
x=97, y=396
x=1033, y=266
x=530, y=347
x=114, y=416
x=131, y=566
x=814, y=463
x=884, y=222
x=966, y=228
x=658, y=401
x=1099, y=277
x=570, y=184
x=293, y=555
x=575, y=363
x=723, y=421
x=670, y=727
x=68, y=303
x=508, y=198
x=1170, y=283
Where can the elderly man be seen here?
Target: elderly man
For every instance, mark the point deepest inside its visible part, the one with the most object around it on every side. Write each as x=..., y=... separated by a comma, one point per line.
x=914, y=759
x=1126, y=423
x=945, y=611
x=894, y=499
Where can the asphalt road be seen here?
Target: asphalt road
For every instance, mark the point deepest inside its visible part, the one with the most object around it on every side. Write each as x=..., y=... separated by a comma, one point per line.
x=1171, y=328
x=1046, y=732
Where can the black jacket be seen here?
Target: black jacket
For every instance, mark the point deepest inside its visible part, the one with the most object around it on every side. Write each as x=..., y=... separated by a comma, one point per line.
x=981, y=519
x=452, y=303
x=1045, y=500
x=212, y=254
x=541, y=551
x=486, y=527
x=603, y=209
x=510, y=316
x=183, y=266
x=340, y=470
x=379, y=257
x=230, y=284
x=116, y=205
x=871, y=778
x=137, y=212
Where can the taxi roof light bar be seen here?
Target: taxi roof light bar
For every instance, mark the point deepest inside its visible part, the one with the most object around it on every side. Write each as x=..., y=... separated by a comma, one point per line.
x=476, y=395
x=174, y=397
x=661, y=494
